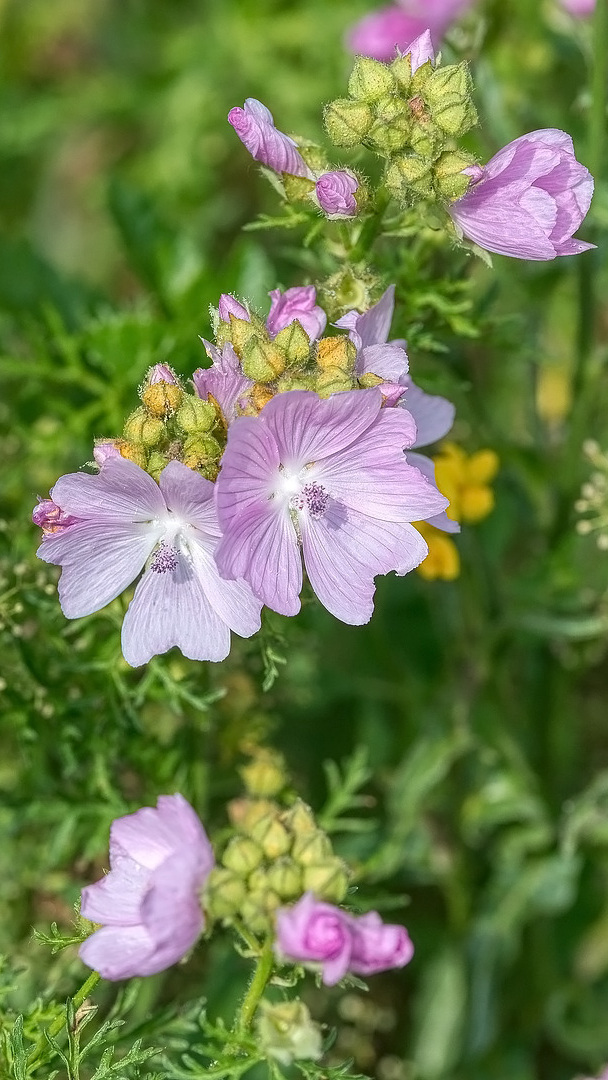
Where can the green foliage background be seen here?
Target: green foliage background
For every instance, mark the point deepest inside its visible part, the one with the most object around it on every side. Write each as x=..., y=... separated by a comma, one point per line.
x=479, y=706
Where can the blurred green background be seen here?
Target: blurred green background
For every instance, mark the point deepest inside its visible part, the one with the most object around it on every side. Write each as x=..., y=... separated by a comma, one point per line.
x=480, y=703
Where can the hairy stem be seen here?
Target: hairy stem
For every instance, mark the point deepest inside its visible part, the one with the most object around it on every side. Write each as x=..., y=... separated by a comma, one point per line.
x=256, y=987
x=37, y=1053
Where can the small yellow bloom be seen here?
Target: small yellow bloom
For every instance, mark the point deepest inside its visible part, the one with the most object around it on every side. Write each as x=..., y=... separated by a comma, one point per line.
x=465, y=480
x=443, y=560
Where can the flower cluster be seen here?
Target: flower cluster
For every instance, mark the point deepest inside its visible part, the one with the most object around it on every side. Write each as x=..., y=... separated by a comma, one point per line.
x=163, y=886
x=291, y=448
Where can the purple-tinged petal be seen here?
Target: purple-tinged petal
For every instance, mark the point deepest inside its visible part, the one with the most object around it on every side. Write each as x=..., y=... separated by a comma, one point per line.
x=379, y=946
x=233, y=600
x=314, y=932
x=169, y=609
x=308, y=428
x=118, y=952
x=433, y=414
x=120, y=492
x=171, y=911
x=335, y=193
x=145, y=836
x=115, y=900
x=580, y=9
x=99, y=561
x=190, y=496
x=187, y=830
x=50, y=517
x=105, y=449
x=229, y=306
x=574, y=247
x=421, y=49
x=261, y=546
x=299, y=303
x=373, y=326
x=255, y=128
x=388, y=361
x=161, y=373
x=224, y=380
x=426, y=466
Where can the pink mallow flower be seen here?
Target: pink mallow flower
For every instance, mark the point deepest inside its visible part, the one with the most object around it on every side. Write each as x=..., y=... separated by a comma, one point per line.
x=382, y=32
x=325, y=937
x=121, y=521
x=254, y=125
x=148, y=905
x=298, y=303
x=336, y=193
x=433, y=414
x=329, y=475
x=529, y=200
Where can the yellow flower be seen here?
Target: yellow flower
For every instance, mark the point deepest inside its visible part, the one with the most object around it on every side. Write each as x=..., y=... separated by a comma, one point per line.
x=465, y=480
x=443, y=560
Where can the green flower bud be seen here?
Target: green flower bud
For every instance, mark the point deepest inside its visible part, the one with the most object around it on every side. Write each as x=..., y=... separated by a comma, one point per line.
x=242, y=855
x=200, y=451
x=310, y=848
x=297, y=188
x=295, y=381
x=401, y=69
x=265, y=775
x=369, y=380
x=421, y=77
x=300, y=819
x=242, y=331
x=254, y=913
x=161, y=399
x=370, y=79
x=336, y=352
x=409, y=177
x=195, y=415
x=245, y=813
x=285, y=878
x=143, y=428
x=262, y=360
x=328, y=880
x=224, y=893
x=314, y=156
x=455, y=116
x=451, y=81
x=347, y=122
x=333, y=381
x=450, y=181
x=388, y=138
x=272, y=836
x=156, y=463
x=294, y=342
x=287, y=1032
x=133, y=452
x=390, y=108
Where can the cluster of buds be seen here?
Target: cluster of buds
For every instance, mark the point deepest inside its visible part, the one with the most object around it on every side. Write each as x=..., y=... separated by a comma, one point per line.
x=274, y=855
x=593, y=501
x=410, y=112
x=169, y=425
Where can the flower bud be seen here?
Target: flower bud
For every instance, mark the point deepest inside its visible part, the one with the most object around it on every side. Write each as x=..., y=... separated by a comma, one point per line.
x=328, y=880
x=199, y=451
x=242, y=331
x=450, y=179
x=401, y=69
x=287, y=1032
x=195, y=415
x=156, y=463
x=133, y=452
x=161, y=399
x=142, y=428
x=310, y=848
x=336, y=352
x=421, y=77
x=259, y=396
x=257, y=910
x=300, y=819
x=297, y=188
x=369, y=380
x=409, y=176
x=244, y=813
x=224, y=893
x=285, y=878
x=294, y=342
x=272, y=836
x=161, y=373
x=390, y=108
x=347, y=122
x=262, y=360
x=388, y=138
x=295, y=381
x=228, y=306
x=426, y=140
x=370, y=80
x=332, y=381
x=242, y=855
x=453, y=80
x=455, y=115
x=265, y=775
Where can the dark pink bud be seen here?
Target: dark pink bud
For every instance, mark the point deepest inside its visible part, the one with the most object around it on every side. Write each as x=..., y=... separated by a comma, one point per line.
x=336, y=193
x=298, y=303
x=254, y=125
x=378, y=946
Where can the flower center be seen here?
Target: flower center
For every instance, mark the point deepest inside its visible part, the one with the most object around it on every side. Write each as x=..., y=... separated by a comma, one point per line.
x=312, y=497
x=165, y=559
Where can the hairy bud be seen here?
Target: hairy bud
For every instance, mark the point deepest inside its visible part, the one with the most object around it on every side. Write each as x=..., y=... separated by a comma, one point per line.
x=262, y=360
x=336, y=352
x=333, y=380
x=370, y=80
x=311, y=848
x=242, y=855
x=294, y=342
x=450, y=180
x=265, y=775
x=143, y=428
x=161, y=399
x=272, y=836
x=195, y=415
x=285, y=877
x=347, y=122
x=224, y=893
x=328, y=880
x=287, y=1032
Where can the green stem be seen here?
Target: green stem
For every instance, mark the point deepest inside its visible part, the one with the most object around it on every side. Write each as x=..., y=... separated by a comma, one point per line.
x=371, y=228
x=257, y=986
x=37, y=1055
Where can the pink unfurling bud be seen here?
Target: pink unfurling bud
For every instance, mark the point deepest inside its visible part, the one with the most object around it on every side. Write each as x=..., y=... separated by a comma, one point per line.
x=298, y=303
x=378, y=946
x=161, y=373
x=254, y=125
x=229, y=306
x=336, y=193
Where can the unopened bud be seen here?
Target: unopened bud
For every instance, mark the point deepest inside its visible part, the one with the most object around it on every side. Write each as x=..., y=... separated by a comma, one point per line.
x=295, y=381
x=426, y=140
x=336, y=352
x=161, y=399
x=143, y=428
x=285, y=877
x=272, y=836
x=347, y=122
x=242, y=855
x=262, y=360
x=225, y=891
x=368, y=381
x=402, y=72
x=200, y=450
x=297, y=188
x=161, y=373
x=450, y=180
x=294, y=342
x=133, y=452
x=311, y=848
x=300, y=819
x=264, y=776
x=229, y=305
x=453, y=80
x=288, y=1033
x=328, y=880
x=388, y=138
x=370, y=80
x=259, y=396
x=455, y=116
x=244, y=813
x=257, y=910
x=242, y=331
x=390, y=108
x=421, y=77
x=333, y=380
x=156, y=463
x=409, y=176
x=195, y=415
